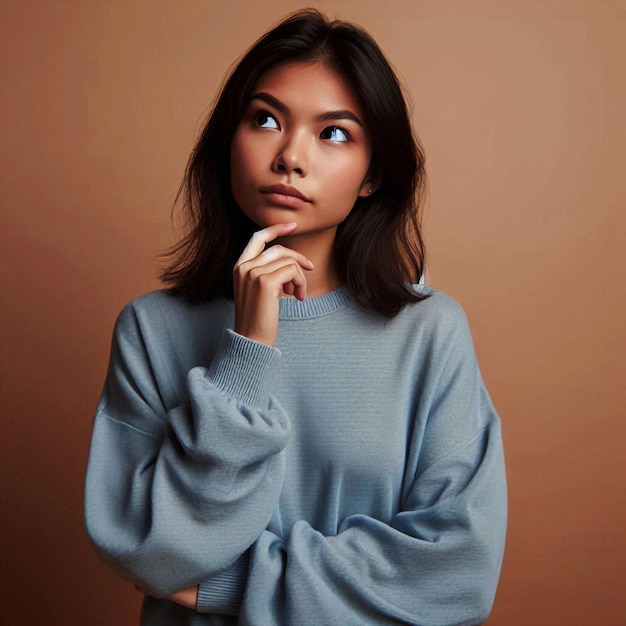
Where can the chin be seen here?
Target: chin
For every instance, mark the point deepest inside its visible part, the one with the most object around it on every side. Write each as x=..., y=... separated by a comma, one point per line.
x=272, y=217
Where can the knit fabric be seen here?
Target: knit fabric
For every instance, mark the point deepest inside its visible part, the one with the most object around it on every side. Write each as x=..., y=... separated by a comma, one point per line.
x=352, y=475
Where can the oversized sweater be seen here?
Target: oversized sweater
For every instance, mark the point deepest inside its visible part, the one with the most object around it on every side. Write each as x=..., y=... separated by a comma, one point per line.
x=351, y=475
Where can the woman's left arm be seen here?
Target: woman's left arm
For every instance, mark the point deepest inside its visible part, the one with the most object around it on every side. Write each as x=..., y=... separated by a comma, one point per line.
x=437, y=562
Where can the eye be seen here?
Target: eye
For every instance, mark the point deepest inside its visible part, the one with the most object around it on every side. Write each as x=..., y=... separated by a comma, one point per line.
x=266, y=120
x=335, y=134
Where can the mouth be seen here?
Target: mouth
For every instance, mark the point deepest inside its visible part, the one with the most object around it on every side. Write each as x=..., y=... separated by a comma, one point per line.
x=284, y=191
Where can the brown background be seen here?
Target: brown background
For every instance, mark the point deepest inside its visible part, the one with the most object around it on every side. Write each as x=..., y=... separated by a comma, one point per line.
x=520, y=105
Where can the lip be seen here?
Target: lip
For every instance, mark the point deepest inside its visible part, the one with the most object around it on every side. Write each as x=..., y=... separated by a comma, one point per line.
x=284, y=190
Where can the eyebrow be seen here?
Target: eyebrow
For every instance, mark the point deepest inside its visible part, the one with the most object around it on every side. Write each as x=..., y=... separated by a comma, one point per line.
x=327, y=116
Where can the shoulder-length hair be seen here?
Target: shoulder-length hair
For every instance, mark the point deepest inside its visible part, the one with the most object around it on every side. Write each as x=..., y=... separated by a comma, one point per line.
x=379, y=249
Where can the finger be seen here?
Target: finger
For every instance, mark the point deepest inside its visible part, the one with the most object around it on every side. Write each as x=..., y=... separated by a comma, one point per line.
x=299, y=293
x=266, y=272
x=269, y=259
x=277, y=251
x=261, y=238
x=272, y=277
x=288, y=275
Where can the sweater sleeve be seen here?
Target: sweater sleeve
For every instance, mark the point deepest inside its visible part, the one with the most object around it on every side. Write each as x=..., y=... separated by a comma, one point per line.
x=174, y=497
x=437, y=562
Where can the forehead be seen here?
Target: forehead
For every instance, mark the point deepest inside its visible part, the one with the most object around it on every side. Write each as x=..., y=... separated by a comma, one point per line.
x=309, y=87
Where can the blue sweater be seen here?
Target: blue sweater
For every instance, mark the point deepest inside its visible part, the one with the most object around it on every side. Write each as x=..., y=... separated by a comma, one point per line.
x=352, y=475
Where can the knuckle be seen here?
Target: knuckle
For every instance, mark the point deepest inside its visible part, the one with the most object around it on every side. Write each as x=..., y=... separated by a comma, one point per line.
x=271, y=253
x=264, y=280
x=255, y=273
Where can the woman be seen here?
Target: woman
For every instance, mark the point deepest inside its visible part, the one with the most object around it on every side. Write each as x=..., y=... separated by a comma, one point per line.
x=304, y=439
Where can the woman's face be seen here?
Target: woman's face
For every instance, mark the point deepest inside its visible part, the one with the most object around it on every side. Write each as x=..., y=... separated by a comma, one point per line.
x=301, y=153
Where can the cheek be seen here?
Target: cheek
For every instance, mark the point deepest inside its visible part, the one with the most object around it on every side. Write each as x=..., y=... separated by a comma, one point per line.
x=346, y=182
x=350, y=171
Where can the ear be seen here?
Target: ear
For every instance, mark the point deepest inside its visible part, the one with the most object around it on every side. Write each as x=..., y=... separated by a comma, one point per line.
x=369, y=186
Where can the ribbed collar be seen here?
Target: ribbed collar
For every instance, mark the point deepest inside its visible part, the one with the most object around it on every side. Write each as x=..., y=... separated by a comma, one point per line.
x=291, y=308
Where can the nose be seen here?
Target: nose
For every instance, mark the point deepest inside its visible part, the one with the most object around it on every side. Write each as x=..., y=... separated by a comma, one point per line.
x=293, y=156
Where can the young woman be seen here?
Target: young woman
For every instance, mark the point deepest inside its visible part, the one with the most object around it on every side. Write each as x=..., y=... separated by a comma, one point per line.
x=292, y=433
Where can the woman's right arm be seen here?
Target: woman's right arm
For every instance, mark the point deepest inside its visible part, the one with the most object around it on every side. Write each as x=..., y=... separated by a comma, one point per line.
x=173, y=497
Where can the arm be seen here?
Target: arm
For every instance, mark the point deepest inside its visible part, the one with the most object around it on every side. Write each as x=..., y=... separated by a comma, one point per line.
x=436, y=564
x=165, y=490
x=176, y=497
x=437, y=561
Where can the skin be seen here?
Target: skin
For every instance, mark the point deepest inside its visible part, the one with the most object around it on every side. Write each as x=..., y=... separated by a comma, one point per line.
x=304, y=129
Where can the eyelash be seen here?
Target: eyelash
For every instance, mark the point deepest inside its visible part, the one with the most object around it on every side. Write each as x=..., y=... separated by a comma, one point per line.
x=264, y=115
x=261, y=118
x=333, y=129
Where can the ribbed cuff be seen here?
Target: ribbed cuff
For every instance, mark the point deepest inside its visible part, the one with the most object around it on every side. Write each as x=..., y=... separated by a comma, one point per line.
x=223, y=593
x=244, y=368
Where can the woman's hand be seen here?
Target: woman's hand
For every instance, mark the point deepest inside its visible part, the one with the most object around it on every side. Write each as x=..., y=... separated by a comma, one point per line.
x=261, y=277
x=187, y=597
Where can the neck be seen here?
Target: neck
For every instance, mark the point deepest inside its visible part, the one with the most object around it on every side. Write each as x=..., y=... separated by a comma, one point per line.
x=319, y=248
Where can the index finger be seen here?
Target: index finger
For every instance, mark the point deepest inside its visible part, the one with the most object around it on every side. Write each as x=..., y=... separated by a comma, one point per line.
x=261, y=238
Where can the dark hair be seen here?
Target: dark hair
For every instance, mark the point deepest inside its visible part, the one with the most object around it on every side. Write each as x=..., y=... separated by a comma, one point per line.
x=379, y=250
